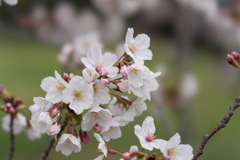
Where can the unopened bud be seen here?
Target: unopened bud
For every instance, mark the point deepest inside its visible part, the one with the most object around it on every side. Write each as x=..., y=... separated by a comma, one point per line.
x=9, y=105
x=123, y=71
x=235, y=55
x=98, y=128
x=56, y=110
x=124, y=85
x=104, y=73
x=71, y=75
x=126, y=155
x=105, y=81
x=55, y=129
x=231, y=60
x=66, y=77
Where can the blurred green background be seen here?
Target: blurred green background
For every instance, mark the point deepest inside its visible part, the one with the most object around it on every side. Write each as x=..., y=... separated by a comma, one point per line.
x=25, y=60
x=24, y=63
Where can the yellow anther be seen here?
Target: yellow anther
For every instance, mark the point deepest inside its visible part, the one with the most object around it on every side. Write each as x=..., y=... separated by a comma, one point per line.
x=78, y=95
x=172, y=151
x=136, y=71
x=95, y=89
x=134, y=48
x=60, y=87
x=97, y=116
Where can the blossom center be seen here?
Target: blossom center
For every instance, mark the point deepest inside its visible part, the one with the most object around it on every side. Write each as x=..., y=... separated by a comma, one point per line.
x=98, y=67
x=136, y=71
x=97, y=116
x=95, y=89
x=78, y=95
x=133, y=48
x=68, y=142
x=172, y=152
x=149, y=138
x=60, y=87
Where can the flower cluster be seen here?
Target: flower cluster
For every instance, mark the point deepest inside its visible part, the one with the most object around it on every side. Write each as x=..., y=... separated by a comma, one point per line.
x=12, y=108
x=72, y=52
x=10, y=2
x=95, y=100
x=170, y=150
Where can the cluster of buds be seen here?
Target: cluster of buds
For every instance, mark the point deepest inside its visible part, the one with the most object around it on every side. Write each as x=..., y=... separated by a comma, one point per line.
x=168, y=150
x=94, y=100
x=12, y=108
x=234, y=59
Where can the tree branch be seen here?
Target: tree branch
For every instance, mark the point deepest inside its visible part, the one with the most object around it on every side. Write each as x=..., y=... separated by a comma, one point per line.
x=12, y=137
x=221, y=125
x=51, y=143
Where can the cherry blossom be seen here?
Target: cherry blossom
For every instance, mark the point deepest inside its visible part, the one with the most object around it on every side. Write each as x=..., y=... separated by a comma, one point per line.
x=137, y=47
x=146, y=135
x=19, y=123
x=79, y=94
x=55, y=88
x=173, y=149
x=68, y=144
x=102, y=63
x=101, y=145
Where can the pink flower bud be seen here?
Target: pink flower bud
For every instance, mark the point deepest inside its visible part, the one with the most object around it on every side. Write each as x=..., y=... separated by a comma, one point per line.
x=235, y=54
x=9, y=105
x=126, y=155
x=231, y=61
x=71, y=75
x=105, y=81
x=104, y=73
x=19, y=101
x=66, y=77
x=98, y=128
x=56, y=110
x=123, y=71
x=124, y=85
x=55, y=129
x=11, y=110
x=86, y=137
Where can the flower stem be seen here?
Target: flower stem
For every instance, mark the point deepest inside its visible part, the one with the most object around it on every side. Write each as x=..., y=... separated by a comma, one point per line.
x=12, y=137
x=51, y=143
x=221, y=125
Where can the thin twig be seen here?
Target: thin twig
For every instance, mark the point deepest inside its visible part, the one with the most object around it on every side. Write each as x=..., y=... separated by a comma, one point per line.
x=221, y=125
x=12, y=137
x=51, y=143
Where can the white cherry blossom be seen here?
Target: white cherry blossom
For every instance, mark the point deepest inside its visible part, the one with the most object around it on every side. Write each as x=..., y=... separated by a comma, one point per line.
x=55, y=88
x=10, y=2
x=102, y=63
x=32, y=133
x=19, y=123
x=68, y=144
x=79, y=94
x=41, y=121
x=101, y=93
x=142, y=80
x=146, y=136
x=40, y=105
x=89, y=74
x=114, y=132
x=101, y=145
x=137, y=47
x=97, y=115
x=173, y=149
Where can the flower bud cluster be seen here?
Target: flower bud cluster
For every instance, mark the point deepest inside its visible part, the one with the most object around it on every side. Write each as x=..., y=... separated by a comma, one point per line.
x=94, y=100
x=12, y=108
